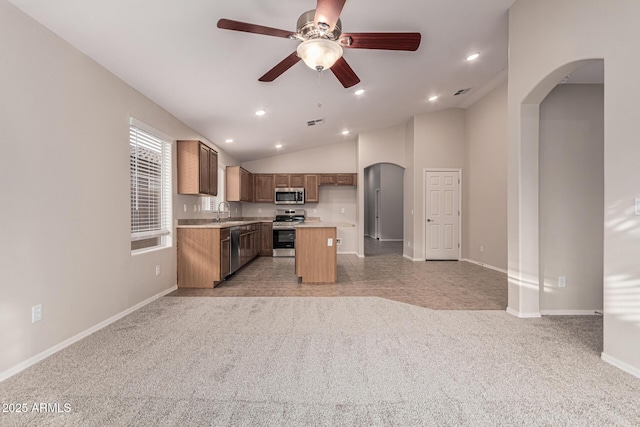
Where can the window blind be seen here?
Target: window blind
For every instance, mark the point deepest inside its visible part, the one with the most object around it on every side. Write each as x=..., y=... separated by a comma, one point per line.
x=150, y=169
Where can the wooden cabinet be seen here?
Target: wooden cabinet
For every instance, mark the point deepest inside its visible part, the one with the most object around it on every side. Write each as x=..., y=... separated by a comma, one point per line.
x=264, y=188
x=316, y=254
x=281, y=180
x=346, y=179
x=337, y=179
x=296, y=180
x=288, y=180
x=197, y=168
x=239, y=184
x=203, y=257
x=311, y=189
x=204, y=254
x=327, y=179
x=225, y=258
x=266, y=239
x=213, y=172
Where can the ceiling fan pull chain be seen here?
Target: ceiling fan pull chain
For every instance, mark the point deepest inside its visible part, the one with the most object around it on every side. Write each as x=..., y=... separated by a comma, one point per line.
x=319, y=88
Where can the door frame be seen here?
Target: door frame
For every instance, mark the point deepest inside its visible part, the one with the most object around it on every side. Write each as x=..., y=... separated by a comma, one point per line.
x=376, y=209
x=424, y=208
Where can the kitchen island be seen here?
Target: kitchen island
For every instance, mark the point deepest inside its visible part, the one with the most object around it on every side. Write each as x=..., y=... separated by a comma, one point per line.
x=316, y=251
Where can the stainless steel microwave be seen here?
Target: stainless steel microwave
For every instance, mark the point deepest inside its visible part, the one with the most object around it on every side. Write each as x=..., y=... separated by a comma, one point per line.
x=289, y=196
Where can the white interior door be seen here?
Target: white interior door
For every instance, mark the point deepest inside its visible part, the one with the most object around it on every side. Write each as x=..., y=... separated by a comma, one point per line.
x=442, y=227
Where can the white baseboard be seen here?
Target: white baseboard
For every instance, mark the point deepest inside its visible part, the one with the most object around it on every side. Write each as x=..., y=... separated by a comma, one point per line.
x=620, y=365
x=482, y=264
x=412, y=259
x=347, y=253
x=390, y=240
x=570, y=312
x=56, y=348
x=522, y=315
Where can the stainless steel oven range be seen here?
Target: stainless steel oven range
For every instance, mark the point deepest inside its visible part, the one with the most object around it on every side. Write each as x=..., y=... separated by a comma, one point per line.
x=284, y=233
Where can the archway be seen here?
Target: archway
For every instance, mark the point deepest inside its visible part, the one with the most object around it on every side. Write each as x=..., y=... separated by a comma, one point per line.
x=532, y=271
x=383, y=209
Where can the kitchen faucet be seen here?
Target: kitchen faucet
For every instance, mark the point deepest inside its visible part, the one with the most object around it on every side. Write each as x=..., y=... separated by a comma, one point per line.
x=228, y=206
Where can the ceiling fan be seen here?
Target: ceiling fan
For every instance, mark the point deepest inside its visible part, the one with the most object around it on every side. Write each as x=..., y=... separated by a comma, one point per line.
x=322, y=41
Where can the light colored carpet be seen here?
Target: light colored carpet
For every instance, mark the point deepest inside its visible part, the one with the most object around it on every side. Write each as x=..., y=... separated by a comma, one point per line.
x=328, y=361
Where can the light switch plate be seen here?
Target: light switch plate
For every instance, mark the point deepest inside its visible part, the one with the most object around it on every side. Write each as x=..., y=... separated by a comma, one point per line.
x=329, y=241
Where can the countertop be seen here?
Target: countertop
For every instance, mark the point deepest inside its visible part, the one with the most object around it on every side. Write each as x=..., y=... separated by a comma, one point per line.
x=224, y=224
x=206, y=223
x=319, y=224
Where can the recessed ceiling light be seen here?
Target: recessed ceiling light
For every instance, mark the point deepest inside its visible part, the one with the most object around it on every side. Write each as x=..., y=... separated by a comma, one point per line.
x=433, y=98
x=345, y=132
x=359, y=92
x=278, y=145
x=261, y=113
x=473, y=56
x=228, y=141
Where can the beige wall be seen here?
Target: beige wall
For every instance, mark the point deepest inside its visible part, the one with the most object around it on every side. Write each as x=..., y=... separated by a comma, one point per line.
x=571, y=197
x=546, y=42
x=332, y=158
x=378, y=146
x=438, y=144
x=409, y=189
x=64, y=169
x=484, y=181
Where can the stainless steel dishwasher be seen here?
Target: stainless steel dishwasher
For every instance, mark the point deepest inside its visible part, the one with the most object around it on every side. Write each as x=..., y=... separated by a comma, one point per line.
x=234, y=258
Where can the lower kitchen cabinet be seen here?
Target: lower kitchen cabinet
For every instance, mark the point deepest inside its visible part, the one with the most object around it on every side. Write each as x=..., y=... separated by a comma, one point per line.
x=204, y=254
x=266, y=239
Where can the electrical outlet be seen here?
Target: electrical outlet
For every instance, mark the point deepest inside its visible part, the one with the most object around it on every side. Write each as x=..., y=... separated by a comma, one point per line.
x=342, y=210
x=481, y=248
x=562, y=282
x=185, y=207
x=409, y=244
x=36, y=313
x=195, y=208
x=157, y=270
x=315, y=211
x=339, y=241
x=259, y=210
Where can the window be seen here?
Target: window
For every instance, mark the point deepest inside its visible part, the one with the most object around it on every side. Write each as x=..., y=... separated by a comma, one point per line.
x=150, y=171
x=210, y=203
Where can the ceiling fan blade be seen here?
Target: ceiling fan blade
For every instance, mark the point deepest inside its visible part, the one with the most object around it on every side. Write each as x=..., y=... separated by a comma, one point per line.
x=345, y=73
x=328, y=12
x=383, y=41
x=282, y=66
x=228, y=24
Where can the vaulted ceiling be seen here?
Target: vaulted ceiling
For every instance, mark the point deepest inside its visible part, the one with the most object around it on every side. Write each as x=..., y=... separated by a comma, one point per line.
x=172, y=52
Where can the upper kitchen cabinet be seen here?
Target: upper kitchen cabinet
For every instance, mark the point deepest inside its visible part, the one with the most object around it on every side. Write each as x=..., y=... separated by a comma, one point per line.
x=264, y=188
x=239, y=184
x=338, y=179
x=289, y=180
x=311, y=189
x=346, y=179
x=197, y=168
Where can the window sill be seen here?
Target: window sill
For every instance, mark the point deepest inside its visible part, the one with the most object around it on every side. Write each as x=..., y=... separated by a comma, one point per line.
x=147, y=250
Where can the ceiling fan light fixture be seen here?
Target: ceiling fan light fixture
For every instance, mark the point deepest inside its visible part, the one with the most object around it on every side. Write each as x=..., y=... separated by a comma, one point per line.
x=319, y=54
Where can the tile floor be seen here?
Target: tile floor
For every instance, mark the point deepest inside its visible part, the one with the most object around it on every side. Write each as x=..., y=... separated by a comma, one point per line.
x=440, y=285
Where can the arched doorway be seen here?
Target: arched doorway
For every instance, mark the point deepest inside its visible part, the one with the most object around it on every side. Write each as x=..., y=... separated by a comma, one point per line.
x=383, y=209
x=560, y=197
